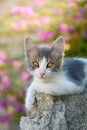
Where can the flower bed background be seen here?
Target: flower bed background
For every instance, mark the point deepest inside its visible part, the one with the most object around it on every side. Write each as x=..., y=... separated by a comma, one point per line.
x=44, y=21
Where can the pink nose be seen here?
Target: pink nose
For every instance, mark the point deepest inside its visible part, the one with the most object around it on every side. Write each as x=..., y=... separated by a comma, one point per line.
x=42, y=74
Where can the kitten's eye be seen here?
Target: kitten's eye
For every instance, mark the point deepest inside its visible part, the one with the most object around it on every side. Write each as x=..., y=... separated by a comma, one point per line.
x=50, y=65
x=36, y=64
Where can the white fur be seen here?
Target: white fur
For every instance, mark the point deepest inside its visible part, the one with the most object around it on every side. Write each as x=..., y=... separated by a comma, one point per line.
x=60, y=85
x=52, y=83
x=30, y=98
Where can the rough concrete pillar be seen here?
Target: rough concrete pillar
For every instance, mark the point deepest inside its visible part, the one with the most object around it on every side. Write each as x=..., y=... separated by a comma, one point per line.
x=57, y=113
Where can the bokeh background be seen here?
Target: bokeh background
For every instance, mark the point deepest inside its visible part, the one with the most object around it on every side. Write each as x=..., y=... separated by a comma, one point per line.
x=43, y=21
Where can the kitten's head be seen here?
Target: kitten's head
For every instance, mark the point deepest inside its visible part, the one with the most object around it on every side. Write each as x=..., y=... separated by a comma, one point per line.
x=43, y=62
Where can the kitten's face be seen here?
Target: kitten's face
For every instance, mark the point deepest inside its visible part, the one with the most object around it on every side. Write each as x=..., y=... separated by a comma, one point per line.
x=45, y=61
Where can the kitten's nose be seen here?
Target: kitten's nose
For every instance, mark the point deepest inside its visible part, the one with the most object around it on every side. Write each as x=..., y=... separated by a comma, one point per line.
x=42, y=74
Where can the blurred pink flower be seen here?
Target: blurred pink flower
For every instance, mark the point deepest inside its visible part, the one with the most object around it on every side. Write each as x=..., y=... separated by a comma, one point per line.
x=17, y=26
x=16, y=10
x=85, y=6
x=57, y=11
x=23, y=23
x=1, y=73
x=38, y=23
x=25, y=76
x=5, y=83
x=39, y=2
x=71, y=29
x=19, y=106
x=46, y=35
x=25, y=11
x=20, y=93
x=63, y=27
x=45, y=19
x=11, y=98
x=79, y=16
x=4, y=118
x=3, y=57
x=78, y=0
x=16, y=64
x=71, y=3
x=3, y=103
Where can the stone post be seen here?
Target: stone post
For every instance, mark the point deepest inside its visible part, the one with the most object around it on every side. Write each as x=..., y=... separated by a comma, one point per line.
x=57, y=113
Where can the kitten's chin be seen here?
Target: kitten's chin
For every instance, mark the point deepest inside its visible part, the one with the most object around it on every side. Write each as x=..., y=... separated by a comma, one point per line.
x=45, y=77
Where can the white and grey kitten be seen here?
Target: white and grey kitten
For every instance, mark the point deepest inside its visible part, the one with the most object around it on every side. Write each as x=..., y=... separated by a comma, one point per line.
x=52, y=73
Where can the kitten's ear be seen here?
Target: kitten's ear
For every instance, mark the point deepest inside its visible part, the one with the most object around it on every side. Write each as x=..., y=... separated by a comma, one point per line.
x=57, y=51
x=29, y=46
x=58, y=45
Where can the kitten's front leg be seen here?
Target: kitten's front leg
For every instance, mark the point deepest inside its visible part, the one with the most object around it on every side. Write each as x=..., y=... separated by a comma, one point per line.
x=30, y=98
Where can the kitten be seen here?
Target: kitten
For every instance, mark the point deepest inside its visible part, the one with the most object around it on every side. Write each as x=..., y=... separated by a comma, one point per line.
x=52, y=73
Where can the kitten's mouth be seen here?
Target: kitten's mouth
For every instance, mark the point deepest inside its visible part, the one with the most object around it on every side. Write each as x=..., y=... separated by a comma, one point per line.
x=42, y=77
x=42, y=74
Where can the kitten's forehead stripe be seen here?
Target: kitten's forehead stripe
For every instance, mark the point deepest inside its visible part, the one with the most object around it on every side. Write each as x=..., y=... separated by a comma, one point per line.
x=44, y=52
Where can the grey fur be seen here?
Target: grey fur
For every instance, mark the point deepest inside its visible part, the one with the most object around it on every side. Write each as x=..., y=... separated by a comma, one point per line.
x=49, y=54
x=45, y=52
x=74, y=69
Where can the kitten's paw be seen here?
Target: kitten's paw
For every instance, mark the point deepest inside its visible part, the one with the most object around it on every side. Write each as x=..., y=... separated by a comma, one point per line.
x=30, y=105
x=30, y=99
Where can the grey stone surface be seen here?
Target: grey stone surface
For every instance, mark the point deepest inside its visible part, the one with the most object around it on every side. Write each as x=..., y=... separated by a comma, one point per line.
x=57, y=113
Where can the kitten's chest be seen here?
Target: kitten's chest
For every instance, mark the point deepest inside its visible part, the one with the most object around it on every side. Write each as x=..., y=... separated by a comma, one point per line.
x=54, y=87
x=61, y=85
x=45, y=87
